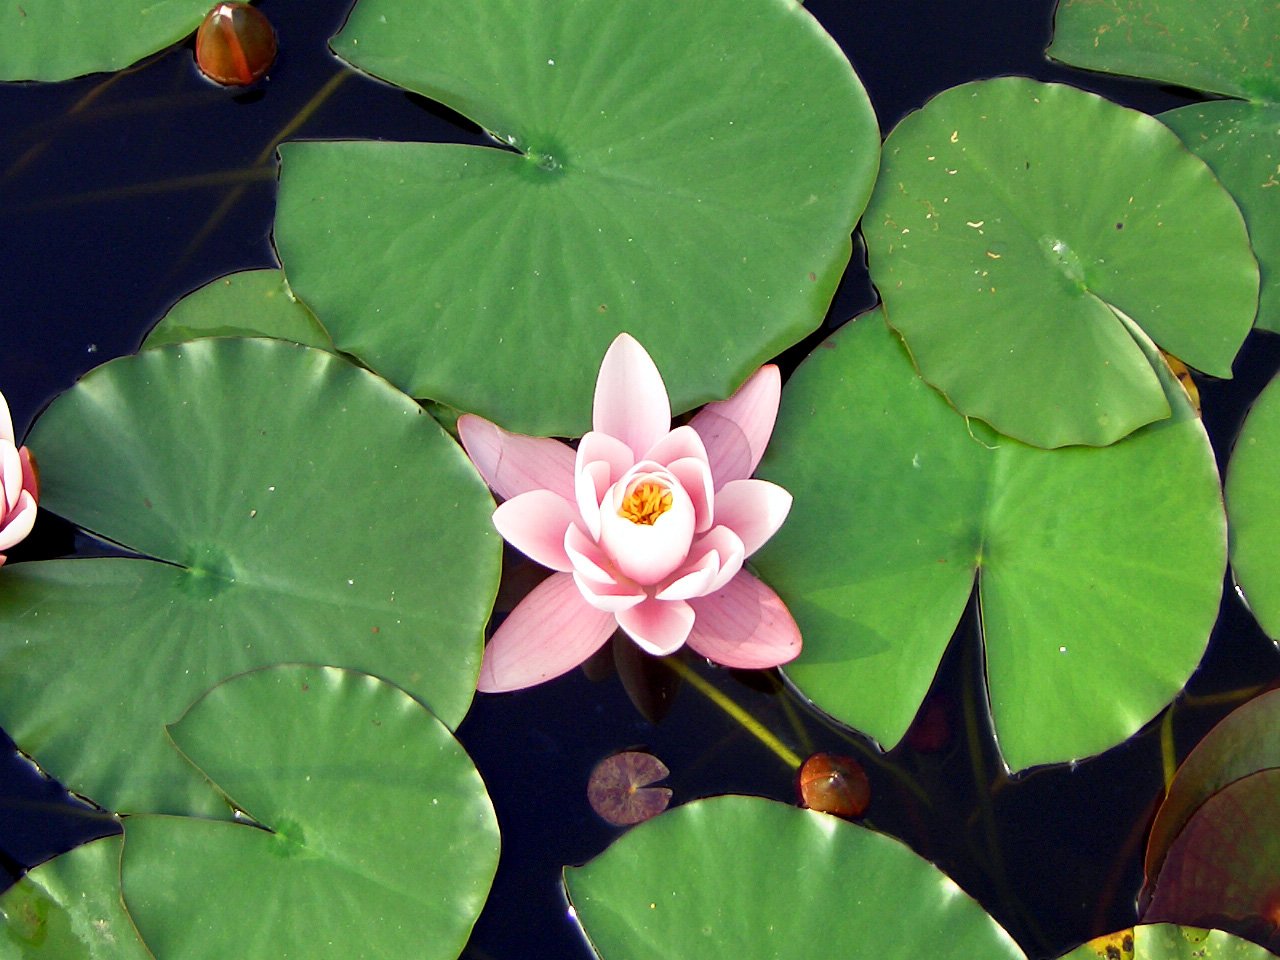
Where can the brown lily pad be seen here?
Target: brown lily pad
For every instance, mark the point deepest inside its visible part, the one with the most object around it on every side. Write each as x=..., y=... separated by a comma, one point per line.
x=620, y=789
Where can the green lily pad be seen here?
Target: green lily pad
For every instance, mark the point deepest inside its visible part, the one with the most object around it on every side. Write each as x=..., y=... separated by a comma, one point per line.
x=1221, y=869
x=1253, y=483
x=689, y=173
x=251, y=303
x=1241, y=144
x=1003, y=255
x=1247, y=741
x=69, y=908
x=380, y=841
x=1167, y=941
x=296, y=507
x=1099, y=569
x=41, y=40
x=1226, y=47
x=703, y=882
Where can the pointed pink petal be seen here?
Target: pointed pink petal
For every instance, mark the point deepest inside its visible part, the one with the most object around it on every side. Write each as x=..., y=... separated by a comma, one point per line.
x=587, y=558
x=730, y=550
x=736, y=431
x=19, y=522
x=601, y=460
x=753, y=509
x=695, y=476
x=535, y=523
x=631, y=399
x=550, y=632
x=659, y=627
x=643, y=552
x=512, y=463
x=6, y=422
x=676, y=445
x=693, y=579
x=744, y=625
x=609, y=597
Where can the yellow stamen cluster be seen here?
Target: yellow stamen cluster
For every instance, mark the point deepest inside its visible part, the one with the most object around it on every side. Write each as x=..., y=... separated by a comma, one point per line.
x=645, y=502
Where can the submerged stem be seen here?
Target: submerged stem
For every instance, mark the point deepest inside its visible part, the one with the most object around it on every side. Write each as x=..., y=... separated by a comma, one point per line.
x=721, y=700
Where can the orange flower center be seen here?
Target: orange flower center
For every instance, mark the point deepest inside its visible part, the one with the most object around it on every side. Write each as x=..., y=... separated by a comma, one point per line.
x=646, y=500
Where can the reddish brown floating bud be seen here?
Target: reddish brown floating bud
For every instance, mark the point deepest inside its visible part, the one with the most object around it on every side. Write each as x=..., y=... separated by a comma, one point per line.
x=235, y=45
x=834, y=784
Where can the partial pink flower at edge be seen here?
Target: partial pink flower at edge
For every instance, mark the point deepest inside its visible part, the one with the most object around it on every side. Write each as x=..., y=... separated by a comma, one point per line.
x=646, y=528
x=19, y=486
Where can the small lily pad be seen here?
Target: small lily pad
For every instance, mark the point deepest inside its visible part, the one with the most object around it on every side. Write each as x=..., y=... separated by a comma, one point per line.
x=621, y=788
x=705, y=881
x=1006, y=258
x=380, y=839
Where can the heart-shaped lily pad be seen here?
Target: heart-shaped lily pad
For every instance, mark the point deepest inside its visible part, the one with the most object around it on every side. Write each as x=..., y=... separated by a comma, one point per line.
x=1004, y=255
x=1253, y=489
x=69, y=908
x=1099, y=569
x=1167, y=941
x=297, y=508
x=251, y=303
x=705, y=881
x=381, y=839
x=43, y=40
x=686, y=172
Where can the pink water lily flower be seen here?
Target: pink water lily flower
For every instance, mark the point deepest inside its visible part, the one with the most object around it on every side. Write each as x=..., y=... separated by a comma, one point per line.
x=18, y=486
x=646, y=528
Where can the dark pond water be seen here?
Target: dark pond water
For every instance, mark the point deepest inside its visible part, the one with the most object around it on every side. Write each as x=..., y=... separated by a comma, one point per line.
x=120, y=194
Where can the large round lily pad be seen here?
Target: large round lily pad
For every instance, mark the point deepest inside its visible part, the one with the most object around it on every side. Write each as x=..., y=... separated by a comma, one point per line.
x=1004, y=255
x=1099, y=569
x=1253, y=499
x=741, y=878
x=69, y=908
x=690, y=173
x=44, y=40
x=380, y=841
x=296, y=507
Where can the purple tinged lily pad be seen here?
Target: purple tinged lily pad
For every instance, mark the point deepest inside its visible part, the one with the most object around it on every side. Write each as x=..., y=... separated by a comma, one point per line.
x=1247, y=741
x=1223, y=870
x=620, y=788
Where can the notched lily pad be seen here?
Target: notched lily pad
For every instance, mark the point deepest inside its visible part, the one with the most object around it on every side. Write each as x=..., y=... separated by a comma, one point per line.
x=689, y=173
x=1099, y=569
x=1167, y=941
x=1014, y=265
x=381, y=839
x=289, y=506
x=621, y=789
